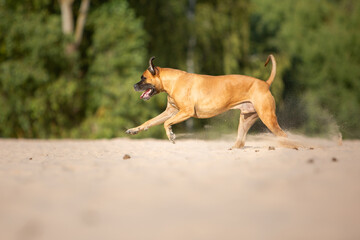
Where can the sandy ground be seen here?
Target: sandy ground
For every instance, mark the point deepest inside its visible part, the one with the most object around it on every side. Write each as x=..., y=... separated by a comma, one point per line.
x=194, y=189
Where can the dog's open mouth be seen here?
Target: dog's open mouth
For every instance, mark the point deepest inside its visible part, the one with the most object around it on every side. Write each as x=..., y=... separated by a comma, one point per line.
x=147, y=94
x=148, y=90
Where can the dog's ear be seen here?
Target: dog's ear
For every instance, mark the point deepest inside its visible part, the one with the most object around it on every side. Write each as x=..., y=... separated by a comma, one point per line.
x=152, y=68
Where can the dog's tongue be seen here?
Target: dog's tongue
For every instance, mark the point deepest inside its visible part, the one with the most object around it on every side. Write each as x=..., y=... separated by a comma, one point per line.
x=145, y=94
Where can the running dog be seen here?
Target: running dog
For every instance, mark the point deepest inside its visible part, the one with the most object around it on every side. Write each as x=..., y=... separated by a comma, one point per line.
x=203, y=96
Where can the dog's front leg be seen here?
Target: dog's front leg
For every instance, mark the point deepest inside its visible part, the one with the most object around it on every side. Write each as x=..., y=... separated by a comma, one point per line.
x=179, y=117
x=168, y=113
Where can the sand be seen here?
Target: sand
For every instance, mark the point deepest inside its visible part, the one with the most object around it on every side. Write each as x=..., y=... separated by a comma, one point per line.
x=194, y=189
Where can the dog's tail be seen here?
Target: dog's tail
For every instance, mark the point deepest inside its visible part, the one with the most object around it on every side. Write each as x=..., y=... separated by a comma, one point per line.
x=273, y=70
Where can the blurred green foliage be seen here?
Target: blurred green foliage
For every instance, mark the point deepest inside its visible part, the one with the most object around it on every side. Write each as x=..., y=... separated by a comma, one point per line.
x=116, y=58
x=322, y=43
x=46, y=92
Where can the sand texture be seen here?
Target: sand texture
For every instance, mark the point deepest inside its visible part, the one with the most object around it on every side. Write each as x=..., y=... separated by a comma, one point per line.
x=194, y=189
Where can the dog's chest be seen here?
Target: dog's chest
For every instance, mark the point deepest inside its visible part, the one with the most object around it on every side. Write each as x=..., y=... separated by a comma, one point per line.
x=172, y=102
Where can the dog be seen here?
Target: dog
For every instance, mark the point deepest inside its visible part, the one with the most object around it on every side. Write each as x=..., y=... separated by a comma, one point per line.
x=203, y=96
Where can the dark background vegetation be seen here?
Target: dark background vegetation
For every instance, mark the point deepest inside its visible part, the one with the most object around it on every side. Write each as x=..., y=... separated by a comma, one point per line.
x=71, y=75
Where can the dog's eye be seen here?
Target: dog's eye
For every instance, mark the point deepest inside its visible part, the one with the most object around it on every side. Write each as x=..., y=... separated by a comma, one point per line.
x=143, y=78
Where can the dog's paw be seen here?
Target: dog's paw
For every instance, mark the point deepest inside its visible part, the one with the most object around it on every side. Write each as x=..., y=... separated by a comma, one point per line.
x=172, y=137
x=170, y=134
x=237, y=145
x=132, y=131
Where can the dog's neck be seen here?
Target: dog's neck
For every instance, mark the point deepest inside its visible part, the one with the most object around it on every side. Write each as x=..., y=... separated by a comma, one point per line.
x=168, y=76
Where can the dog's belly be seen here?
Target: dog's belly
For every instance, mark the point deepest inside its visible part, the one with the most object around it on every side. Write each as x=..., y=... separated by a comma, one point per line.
x=202, y=112
x=208, y=112
x=245, y=107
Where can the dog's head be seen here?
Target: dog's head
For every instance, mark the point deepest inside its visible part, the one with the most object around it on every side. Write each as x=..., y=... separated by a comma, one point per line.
x=150, y=82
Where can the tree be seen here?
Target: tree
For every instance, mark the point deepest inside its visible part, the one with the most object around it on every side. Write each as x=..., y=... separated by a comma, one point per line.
x=47, y=92
x=327, y=63
x=117, y=58
x=67, y=20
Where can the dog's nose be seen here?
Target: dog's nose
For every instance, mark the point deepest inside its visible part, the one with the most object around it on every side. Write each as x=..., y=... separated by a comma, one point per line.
x=135, y=86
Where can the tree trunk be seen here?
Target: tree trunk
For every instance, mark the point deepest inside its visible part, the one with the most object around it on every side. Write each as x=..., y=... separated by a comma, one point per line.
x=190, y=65
x=67, y=16
x=192, y=39
x=67, y=20
x=80, y=24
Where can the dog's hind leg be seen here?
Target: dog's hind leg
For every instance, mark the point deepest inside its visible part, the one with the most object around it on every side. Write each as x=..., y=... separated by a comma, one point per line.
x=265, y=108
x=245, y=123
